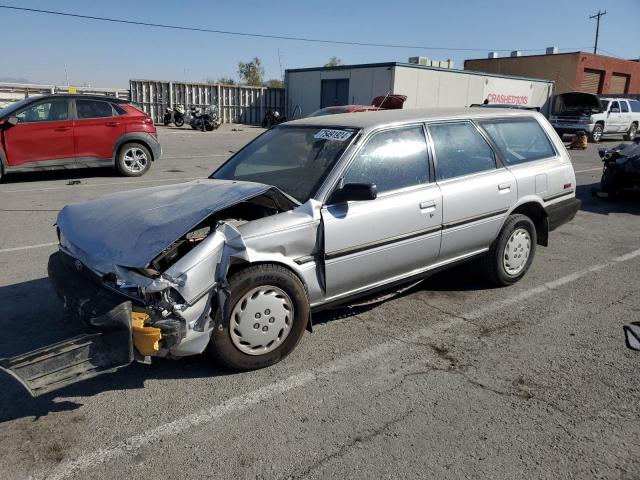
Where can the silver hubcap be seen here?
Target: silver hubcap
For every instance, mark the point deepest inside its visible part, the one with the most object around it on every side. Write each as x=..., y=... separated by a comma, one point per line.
x=261, y=320
x=135, y=160
x=516, y=251
x=596, y=134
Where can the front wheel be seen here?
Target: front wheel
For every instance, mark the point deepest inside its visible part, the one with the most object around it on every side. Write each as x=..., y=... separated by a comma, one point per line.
x=511, y=254
x=596, y=134
x=179, y=121
x=269, y=311
x=166, y=120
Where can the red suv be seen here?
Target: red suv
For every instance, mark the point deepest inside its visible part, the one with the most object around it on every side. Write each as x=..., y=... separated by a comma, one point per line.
x=53, y=132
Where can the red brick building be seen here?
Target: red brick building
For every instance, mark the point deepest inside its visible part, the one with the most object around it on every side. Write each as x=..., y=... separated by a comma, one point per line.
x=575, y=71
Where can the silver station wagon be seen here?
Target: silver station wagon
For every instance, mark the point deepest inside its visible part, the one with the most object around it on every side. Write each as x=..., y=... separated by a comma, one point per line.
x=311, y=213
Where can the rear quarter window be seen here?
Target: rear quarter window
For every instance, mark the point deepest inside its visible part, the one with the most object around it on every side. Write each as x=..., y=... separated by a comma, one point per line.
x=635, y=105
x=519, y=141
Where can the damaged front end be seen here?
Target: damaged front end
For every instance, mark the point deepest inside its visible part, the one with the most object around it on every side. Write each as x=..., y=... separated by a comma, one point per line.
x=147, y=284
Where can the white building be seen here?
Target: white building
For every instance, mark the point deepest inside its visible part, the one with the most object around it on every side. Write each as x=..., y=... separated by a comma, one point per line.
x=309, y=89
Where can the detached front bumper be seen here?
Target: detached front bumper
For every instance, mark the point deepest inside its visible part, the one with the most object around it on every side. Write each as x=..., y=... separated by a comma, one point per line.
x=573, y=127
x=105, y=346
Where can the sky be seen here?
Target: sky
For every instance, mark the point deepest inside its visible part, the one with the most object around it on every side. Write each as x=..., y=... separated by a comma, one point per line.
x=101, y=54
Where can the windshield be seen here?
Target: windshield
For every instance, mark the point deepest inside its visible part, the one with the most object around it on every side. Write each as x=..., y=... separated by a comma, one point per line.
x=605, y=105
x=294, y=159
x=12, y=107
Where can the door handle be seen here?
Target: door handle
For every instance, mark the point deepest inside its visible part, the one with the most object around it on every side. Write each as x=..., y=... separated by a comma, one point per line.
x=428, y=205
x=504, y=187
x=62, y=129
x=113, y=124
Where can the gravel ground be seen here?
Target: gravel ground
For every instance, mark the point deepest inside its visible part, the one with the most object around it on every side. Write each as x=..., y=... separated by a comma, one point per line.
x=449, y=379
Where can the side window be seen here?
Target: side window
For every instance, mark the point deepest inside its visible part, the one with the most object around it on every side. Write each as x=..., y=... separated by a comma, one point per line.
x=392, y=159
x=460, y=150
x=51, y=111
x=93, y=109
x=119, y=110
x=624, y=107
x=635, y=105
x=519, y=141
x=614, y=106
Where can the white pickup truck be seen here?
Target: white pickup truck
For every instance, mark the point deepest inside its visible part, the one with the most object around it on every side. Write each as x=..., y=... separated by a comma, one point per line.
x=599, y=117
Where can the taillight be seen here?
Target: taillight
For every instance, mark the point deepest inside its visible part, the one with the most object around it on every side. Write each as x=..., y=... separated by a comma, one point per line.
x=148, y=120
x=567, y=185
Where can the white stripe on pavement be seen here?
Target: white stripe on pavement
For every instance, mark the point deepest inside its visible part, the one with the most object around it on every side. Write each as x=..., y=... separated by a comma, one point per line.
x=588, y=170
x=27, y=247
x=132, y=444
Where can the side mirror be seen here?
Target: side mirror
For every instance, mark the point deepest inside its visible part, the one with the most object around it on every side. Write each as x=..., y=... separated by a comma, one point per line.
x=13, y=121
x=615, y=110
x=354, y=191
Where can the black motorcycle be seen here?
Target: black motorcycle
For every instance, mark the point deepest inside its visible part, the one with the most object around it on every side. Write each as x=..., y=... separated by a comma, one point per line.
x=175, y=114
x=621, y=170
x=272, y=118
x=207, y=121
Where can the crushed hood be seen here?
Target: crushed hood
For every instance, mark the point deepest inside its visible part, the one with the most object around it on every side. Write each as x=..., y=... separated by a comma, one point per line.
x=131, y=228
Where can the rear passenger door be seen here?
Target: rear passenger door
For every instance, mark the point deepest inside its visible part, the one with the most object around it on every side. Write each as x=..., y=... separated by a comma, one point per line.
x=477, y=191
x=376, y=241
x=526, y=149
x=96, y=129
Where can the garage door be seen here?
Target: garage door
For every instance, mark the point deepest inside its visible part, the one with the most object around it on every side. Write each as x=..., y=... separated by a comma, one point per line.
x=591, y=81
x=619, y=82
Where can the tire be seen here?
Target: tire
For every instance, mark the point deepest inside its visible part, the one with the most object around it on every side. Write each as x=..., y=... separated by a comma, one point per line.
x=166, y=120
x=179, y=121
x=133, y=159
x=226, y=343
x=516, y=230
x=632, y=132
x=596, y=134
x=209, y=127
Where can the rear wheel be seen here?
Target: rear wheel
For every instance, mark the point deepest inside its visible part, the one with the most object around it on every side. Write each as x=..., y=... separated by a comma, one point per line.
x=179, y=121
x=632, y=132
x=269, y=311
x=166, y=120
x=596, y=134
x=511, y=254
x=133, y=159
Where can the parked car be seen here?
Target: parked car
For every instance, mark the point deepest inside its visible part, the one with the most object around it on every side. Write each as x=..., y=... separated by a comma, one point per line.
x=382, y=102
x=52, y=132
x=312, y=213
x=598, y=117
x=342, y=109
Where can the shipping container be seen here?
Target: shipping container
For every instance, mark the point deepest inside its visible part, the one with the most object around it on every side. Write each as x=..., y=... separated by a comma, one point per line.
x=309, y=89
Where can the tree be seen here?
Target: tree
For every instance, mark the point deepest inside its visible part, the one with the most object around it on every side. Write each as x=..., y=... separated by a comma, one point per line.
x=251, y=72
x=333, y=62
x=274, y=83
x=226, y=81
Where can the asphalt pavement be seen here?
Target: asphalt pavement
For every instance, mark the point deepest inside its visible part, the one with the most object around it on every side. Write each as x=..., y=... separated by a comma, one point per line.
x=451, y=378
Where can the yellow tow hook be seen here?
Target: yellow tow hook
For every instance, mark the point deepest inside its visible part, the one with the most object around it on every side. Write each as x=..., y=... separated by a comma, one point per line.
x=145, y=339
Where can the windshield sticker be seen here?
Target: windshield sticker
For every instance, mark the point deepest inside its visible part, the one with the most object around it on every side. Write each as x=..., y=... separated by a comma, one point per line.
x=337, y=135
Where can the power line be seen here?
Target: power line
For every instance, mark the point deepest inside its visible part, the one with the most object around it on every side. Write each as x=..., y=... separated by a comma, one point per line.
x=258, y=35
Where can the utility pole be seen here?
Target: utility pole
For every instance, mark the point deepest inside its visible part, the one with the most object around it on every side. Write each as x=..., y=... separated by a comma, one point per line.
x=597, y=17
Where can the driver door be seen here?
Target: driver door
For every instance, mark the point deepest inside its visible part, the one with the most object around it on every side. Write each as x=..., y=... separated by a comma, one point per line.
x=372, y=242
